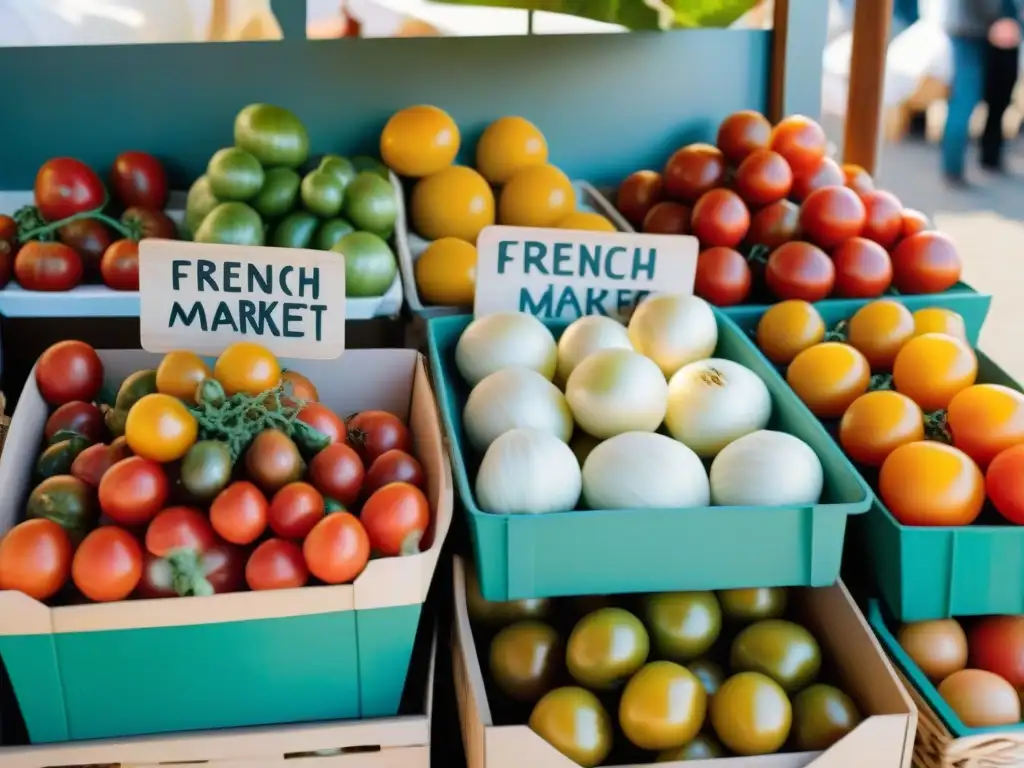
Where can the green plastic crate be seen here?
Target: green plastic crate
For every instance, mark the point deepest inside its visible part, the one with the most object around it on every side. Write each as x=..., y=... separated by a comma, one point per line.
x=617, y=551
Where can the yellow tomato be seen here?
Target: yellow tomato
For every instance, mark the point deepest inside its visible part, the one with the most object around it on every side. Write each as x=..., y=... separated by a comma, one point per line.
x=877, y=423
x=508, y=145
x=418, y=141
x=931, y=369
x=787, y=329
x=160, y=428
x=247, y=367
x=536, y=196
x=939, y=320
x=879, y=330
x=454, y=202
x=986, y=419
x=446, y=273
x=586, y=220
x=180, y=373
x=829, y=377
x=930, y=483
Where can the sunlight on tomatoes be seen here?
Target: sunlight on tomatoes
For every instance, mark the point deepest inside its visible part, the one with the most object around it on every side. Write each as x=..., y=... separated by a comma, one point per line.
x=720, y=218
x=828, y=377
x=939, y=320
x=239, y=513
x=337, y=549
x=35, y=558
x=247, y=367
x=418, y=141
x=396, y=518
x=826, y=173
x=536, y=196
x=69, y=370
x=107, y=565
x=742, y=133
x=884, y=217
x=801, y=141
x=454, y=202
x=788, y=328
x=799, y=270
x=159, y=427
x=775, y=224
x=932, y=369
x=667, y=218
x=637, y=194
x=298, y=387
x=877, y=423
x=914, y=222
x=763, y=178
x=133, y=490
x=863, y=269
x=986, y=419
x=294, y=510
x=830, y=215
x=879, y=330
x=723, y=277
x=857, y=178
x=932, y=484
x=1004, y=484
x=507, y=145
x=927, y=262
x=692, y=171
x=276, y=564
x=180, y=373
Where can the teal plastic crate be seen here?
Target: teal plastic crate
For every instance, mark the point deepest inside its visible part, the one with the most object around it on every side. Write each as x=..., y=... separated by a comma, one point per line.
x=618, y=551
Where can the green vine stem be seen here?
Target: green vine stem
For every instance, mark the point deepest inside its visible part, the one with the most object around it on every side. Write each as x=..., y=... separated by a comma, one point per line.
x=839, y=332
x=40, y=229
x=880, y=381
x=936, y=427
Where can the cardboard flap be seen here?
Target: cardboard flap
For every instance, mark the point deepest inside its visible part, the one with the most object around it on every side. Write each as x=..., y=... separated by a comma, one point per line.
x=859, y=747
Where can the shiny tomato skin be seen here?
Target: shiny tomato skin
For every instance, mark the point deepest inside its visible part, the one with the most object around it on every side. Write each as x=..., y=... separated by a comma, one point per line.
x=1004, y=484
x=78, y=416
x=396, y=518
x=667, y=218
x=692, y=171
x=863, y=269
x=913, y=222
x=928, y=483
x=985, y=420
x=120, y=266
x=763, y=178
x=323, y=419
x=720, y=218
x=742, y=133
x=933, y=368
x=139, y=179
x=997, y=645
x=35, y=558
x=65, y=186
x=857, y=178
x=133, y=491
x=295, y=510
x=337, y=549
x=826, y=173
x=92, y=464
x=877, y=423
x=879, y=330
x=298, y=388
x=69, y=370
x=224, y=567
x=107, y=565
x=788, y=328
x=799, y=270
x=927, y=262
x=884, y=218
x=179, y=528
x=48, y=267
x=239, y=513
x=394, y=466
x=276, y=564
x=775, y=224
x=637, y=194
x=830, y=215
x=723, y=277
x=801, y=141
x=372, y=433
x=828, y=378
x=150, y=223
x=89, y=238
x=338, y=473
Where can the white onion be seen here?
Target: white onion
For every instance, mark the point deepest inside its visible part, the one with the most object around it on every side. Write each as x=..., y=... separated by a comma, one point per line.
x=713, y=402
x=512, y=398
x=674, y=330
x=617, y=390
x=644, y=470
x=586, y=336
x=766, y=469
x=528, y=471
x=504, y=340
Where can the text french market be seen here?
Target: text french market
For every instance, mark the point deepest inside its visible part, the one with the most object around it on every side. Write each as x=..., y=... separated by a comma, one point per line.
x=577, y=260
x=298, y=318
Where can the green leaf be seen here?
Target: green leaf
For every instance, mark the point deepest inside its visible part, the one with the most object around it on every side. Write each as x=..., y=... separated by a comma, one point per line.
x=634, y=14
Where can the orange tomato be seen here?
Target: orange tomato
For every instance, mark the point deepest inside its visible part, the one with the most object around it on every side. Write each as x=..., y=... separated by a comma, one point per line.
x=877, y=423
x=930, y=483
x=454, y=202
x=418, y=141
x=787, y=329
x=828, y=377
x=931, y=369
x=180, y=373
x=160, y=428
x=879, y=330
x=35, y=558
x=337, y=549
x=247, y=367
x=536, y=196
x=939, y=320
x=507, y=145
x=107, y=565
x=986, y=419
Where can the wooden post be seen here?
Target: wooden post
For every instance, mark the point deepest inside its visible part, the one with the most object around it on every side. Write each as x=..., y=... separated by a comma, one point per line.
x=798, y=42
x=871, y=22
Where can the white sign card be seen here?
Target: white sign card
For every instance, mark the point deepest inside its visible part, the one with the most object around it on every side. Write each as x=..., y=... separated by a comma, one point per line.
x=203, y=297
x=562, y=273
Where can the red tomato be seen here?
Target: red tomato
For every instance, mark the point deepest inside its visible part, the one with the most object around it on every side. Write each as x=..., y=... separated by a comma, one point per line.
x=667, y=218
x=914, y=222
x=798, y=270
x=637, y=195
x=8, y=247
x=295, y=510
x=150, y=223
x=884, y=218
x=90, y=238
x=801, y=141
x=35, y=558
x=372, y=433
x=723, y=277
x=394, y=466
x=775, y=224
x=218, y=570
x=223, y=566
x=92, y=464
x=179, y=528
x=863, y=269
x=692, y=171
x=82, y=418
x=396, y=518
x=858, y=179
x=107, y=565
x=120, y=266
x=65, y=186
x=48, y=267
x=276, y=564
x=323, y=419
x=337, y=549
x=337, y=472
x=826, y=173
x=763, y=178
x=69, y=370
x=239, y=513
x=830, y=215
x=742, y=133
x=927, y=262
x=139, y=179
x=133, y=491
x=1004, y=484
x=996, y=645
x=720, y=218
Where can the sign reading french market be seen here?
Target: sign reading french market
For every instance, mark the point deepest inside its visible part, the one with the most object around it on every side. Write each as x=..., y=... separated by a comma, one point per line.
x=204, y=297
x=558, y=273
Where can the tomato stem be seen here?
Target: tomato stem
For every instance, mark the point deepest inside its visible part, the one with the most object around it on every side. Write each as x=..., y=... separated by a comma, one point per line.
x=880, y=381
x=839, y=332
x=411, y=543
x=936, y=427
x=96, y=213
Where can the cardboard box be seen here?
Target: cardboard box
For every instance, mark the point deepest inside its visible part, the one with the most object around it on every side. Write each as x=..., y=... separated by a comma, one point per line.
x=885, y=738
x=154, y=666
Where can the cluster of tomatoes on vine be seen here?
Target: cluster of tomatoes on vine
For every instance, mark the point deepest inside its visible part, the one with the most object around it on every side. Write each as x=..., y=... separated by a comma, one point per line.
x=778, y=219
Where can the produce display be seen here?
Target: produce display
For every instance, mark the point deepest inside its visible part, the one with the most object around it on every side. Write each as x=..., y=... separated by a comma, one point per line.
x=199, y=478
x=778, y=219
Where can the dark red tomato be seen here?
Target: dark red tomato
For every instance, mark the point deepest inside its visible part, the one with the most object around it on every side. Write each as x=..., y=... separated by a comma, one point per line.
x=884, y=218
x=239, y=513
x=217, y=570
x=830, y=215
x=396, y=518
x=8, y=247
x=372, y=433
x=157, y=579
x=667, y=218
x=394, y=466
x=77, y=416
x=863, y=269
x=120, y=266
x=69, y=370
x=720, y=218
x=294, y=510
x=801, y=141
x=826, y=173
x=723, y=277
x=92, y=464
x=637, y=195
x=337, y=472
x=139, y=179
x=65, y=186
x=927, y=262
x=224, y=567
x=48, y=267
x=798, y=270
x=692, y=171
x=179, y=528
x=858, y=179
x=150, y=223
x=996, y=645
x=323, y=419
x=763, y=178
x=742, y=133
x=775, y=224
x=914, y=222
x=90, y=238
x=1004, y=484
x=133, y=491
x=276, y=564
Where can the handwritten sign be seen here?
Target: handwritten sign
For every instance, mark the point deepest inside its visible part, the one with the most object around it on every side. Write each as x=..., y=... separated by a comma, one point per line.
x=204, y=297
x=560, y=273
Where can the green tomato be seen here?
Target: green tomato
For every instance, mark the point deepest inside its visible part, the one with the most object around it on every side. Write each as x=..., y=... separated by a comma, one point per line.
x=231, y=224
x=371, y=164
x=296, y=230
x=370, y=266
x=331, y=232
x=199, y=203
x=67, y=501
x=341, y=167
x=322, y=193
x=279, y=192
x=274, y=135
x=370, y=204
x=234, y=174
x=206, y=469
